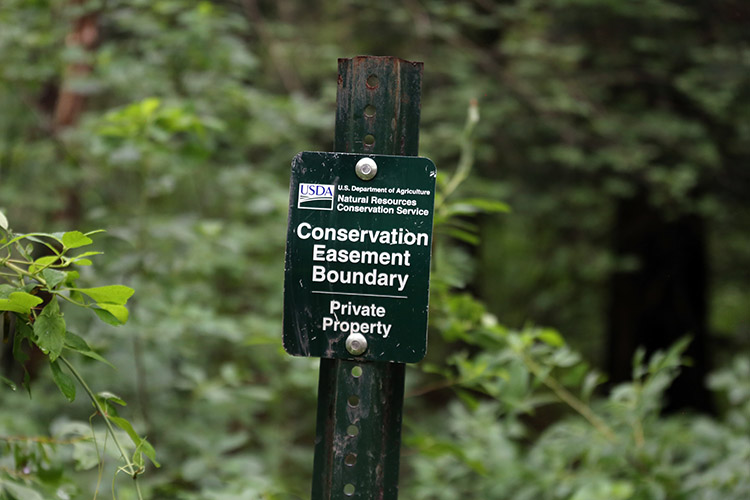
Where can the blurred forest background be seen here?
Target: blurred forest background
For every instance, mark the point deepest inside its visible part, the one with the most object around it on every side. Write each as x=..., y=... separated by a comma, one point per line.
x=618, y=133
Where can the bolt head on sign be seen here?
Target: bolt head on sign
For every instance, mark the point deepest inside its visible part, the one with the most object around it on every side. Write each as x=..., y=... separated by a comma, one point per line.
x=358, y=251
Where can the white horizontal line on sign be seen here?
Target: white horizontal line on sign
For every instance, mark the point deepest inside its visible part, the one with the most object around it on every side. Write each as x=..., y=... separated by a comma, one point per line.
x=361, y=294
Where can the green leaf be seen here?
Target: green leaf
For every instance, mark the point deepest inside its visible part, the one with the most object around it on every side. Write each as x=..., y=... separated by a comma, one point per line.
x=147, y=106
x=487, y=206
x=475, y=206
x=41, y=238
x=64, y=381
x=141, y=444
x=119, y=312
x=20, y=302
x=20, y=492
x=70, y=280
x=53, y=277
x=76, y=343
x=6, y=290
x=81, y=258
x=8, y=382
x=137, y=459
x=112, y=294
x=551, y=337
x=147, y=449
x=465, y=236
x=27, y=380
x=108, y=397
x=7, y=305
x=590, y=382
x=43, y=262
x=3, y=221
x=107, y=317
x=77, y=296
x=84, y=254
x=469, y=399
x=49, y=329
x=75, y=239
x=25, y=300
x=127, y=427
x=23, y=332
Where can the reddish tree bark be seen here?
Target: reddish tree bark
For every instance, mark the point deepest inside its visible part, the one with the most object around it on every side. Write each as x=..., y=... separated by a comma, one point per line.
x=70, y=103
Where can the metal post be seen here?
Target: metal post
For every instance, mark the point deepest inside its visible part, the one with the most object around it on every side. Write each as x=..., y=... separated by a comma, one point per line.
x=360, y=404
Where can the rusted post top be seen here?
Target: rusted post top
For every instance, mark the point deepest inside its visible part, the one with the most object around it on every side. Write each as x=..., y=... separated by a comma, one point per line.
x=392, y=88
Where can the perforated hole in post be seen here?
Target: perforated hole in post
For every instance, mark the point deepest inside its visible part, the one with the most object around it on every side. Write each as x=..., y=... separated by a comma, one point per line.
x=370, y=110
x=350, y=460
x=352, y=430
x=369, y=140
x=349, y=489
x=353, y=401
x=373, y=81
x=357, y=371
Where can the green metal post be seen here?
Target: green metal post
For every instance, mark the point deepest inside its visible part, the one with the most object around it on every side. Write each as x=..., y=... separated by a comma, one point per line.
x=360, y=404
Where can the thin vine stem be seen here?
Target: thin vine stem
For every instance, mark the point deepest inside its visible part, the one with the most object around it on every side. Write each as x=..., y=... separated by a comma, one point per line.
x=569, y=398
x=72, y=301
x=23, y=272
x=130, y=470
x=100, y=464
x=466, y=160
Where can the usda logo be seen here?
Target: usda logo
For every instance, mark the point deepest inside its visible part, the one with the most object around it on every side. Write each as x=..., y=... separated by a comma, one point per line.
x=315, y=196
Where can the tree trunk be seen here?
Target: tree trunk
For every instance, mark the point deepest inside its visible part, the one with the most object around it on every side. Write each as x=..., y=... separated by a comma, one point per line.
x=70, y=103
x=663, y=300
x=84, y=35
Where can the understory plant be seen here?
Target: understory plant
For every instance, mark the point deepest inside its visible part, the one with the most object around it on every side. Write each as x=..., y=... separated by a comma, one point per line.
x=532, y=421
x=528, y=418
x=39, y=274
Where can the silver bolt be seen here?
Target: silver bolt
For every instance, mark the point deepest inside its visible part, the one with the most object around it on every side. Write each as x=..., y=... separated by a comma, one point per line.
x=356, y=344
x=366, y=169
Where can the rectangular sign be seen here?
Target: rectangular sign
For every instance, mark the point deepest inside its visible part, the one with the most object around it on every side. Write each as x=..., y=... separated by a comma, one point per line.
x=358, y=257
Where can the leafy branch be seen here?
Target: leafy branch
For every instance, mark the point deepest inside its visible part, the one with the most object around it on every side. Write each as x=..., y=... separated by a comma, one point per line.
x=451, y=213
x=539, y=351
x=31, y=289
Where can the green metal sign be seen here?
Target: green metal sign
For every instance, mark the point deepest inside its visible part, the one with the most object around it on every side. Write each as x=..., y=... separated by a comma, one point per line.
x=357, y=269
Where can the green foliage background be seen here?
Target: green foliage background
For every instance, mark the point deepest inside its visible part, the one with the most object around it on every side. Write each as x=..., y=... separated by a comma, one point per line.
x=193, y=112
